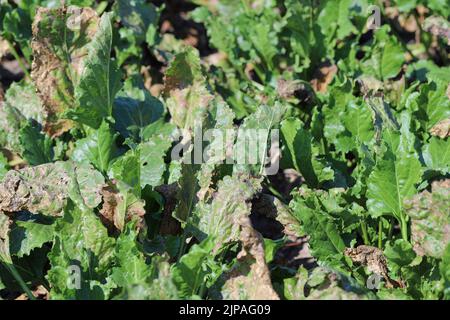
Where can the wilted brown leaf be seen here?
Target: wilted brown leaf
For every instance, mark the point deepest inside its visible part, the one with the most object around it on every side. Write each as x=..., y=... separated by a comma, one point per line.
x=286, y=88
x=369, y=84
x=441, y=129
x=408, y=22
x=218, y=217
x=5, y=223
x=4, y=47
x=59, y=61
x=438, y=26
x=271, y=207
x=323, y=77
x=375, y=261
x=250, y=277
x=40, y=293
x=185, y=90
x=216, y=59
x=113, y=203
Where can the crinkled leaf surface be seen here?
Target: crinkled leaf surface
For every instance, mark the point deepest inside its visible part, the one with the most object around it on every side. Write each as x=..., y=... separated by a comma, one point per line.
x=21, y=106
x=46, y=188
x=429, y=212
x=185, y=89
x=131, y=265
x=82, y=245
x=60, y=45
x=137, y=15
x=254, y=139
x=326, y=242
x=218, y=219
x=5, y=223
x=249, y=278
x=151, y=159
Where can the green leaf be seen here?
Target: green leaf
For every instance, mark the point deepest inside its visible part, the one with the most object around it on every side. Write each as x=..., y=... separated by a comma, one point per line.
x=324, y=283
x=336, y=17
x=22, y=97
x=436, y=155
x=3, y=166
x=99, y=81
x=127, y=169
x=254, y=138
x=37, y=147
x=131, y=267
x=151, y=159
x=406, y=5
x=144, y=165
x=307, y=40
x=393, y=294
x=266, y=47
x=326, y=242
x=160, y=285
x=392, y=60
x=134, y=110
x=215, y=152
x=159, y=127
x=127, y=172
x=333, y=113
x=298, y=142
x=16, y=27
x=137, y=15
x=444, y=268
x=189, y=274
x=22, y=105
x=400, y=253
x=139, y=21
x=294, y=287
x=385, y=57
x=433, y=104
x=271, y=247
x=394, y=177
x=187, y=194
x=98, y=148
x=358, y=121
x=29, y=235
x=82, y=243
x=85, y=186
x=134, y=171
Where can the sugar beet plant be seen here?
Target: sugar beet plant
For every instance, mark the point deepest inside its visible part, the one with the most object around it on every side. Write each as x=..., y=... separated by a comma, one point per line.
x=320, y=121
